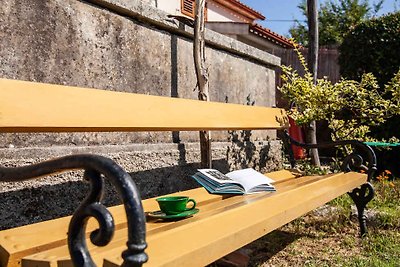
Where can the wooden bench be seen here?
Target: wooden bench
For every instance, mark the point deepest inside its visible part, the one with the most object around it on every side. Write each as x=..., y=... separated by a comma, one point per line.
x=223, y=224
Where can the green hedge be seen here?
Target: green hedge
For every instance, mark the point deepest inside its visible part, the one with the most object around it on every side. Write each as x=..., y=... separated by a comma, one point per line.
x=372, y=46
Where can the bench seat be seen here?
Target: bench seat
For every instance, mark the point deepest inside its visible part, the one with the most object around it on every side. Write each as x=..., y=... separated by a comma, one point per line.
x=183, y=242
x=223, y=223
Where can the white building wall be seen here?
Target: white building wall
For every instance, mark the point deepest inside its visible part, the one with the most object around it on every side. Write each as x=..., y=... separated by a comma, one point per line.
x=170, y=6
x=216, y=12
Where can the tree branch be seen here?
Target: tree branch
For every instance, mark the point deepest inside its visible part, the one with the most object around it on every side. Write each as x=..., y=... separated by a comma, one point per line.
x=202, y=76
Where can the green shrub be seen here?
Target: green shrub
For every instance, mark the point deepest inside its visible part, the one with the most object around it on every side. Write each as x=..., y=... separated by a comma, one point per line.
x=349, y=107
x=372, y=47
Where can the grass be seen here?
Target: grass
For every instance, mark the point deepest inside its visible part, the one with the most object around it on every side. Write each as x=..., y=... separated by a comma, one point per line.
x=329, y=236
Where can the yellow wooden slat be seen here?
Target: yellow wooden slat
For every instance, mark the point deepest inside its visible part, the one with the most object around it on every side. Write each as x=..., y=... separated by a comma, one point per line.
x=203, y=201
x=30, y=239
x=227, y=231
x=211, y=209
x=38, y=107
x=283, y=175
x=206, y=203
x=18, y=242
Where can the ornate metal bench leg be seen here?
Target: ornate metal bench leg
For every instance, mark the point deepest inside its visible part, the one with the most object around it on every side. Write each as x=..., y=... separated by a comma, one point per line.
x=361, y=196
x=96, y=169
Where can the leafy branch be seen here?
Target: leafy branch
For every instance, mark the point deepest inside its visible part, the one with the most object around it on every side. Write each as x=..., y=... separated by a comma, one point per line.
x=349, y=107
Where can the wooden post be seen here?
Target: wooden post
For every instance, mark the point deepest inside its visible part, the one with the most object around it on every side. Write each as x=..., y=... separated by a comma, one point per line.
x=312, y=14
x=202, y=76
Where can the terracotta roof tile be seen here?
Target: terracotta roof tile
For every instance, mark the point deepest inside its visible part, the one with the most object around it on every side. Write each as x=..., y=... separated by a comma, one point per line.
x=257, y=29
x=272, y=36
x=248, y=7
x=239, y=7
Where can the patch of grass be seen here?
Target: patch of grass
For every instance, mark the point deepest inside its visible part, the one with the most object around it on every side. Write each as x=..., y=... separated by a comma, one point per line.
x=345, y=202
x=385, y=203
x=383, y=244
x=378, y=249
x=309, y=169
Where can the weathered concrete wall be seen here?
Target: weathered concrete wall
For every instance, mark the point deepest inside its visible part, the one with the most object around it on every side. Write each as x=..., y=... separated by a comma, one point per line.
x=155, y=168
x=74, y=43
x=122, y=45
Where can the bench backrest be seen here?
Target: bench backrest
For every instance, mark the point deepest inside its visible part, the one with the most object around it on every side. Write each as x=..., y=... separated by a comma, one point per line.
x=38, y=107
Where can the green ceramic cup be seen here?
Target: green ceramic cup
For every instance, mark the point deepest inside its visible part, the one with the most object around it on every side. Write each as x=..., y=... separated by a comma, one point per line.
x=175, y=204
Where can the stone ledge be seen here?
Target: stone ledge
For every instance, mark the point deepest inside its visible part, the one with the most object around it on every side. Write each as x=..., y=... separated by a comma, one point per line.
x=145, y=13
x=54, y=151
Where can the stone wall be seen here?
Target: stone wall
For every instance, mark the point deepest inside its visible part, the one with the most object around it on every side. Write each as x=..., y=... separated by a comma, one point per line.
x=76, y=43
x=155, y=168
x=123, y=45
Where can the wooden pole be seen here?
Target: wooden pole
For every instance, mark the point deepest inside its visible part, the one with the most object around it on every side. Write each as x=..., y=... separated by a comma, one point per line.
x=202, y=76
x=312, y=12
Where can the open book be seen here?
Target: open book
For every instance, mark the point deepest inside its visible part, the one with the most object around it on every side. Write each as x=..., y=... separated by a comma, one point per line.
x=246, y=181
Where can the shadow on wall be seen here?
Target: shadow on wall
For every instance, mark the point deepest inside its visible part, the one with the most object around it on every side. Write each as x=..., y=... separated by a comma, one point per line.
x=31, y=205
x=44, y=201
x=247, y=153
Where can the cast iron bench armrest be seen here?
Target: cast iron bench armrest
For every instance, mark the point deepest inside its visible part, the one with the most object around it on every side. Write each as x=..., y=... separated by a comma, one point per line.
x=95, y=168
x=353, y=161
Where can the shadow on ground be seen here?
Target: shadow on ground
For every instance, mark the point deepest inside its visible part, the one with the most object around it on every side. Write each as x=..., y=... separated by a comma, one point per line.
x=266, y=247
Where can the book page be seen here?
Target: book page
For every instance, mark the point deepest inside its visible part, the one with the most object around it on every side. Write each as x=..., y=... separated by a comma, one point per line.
x=214, y=187
x=217, y=176
x=249, y=178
